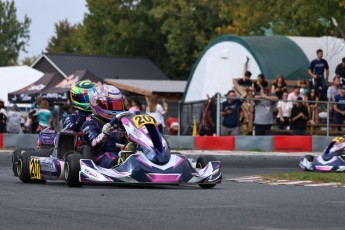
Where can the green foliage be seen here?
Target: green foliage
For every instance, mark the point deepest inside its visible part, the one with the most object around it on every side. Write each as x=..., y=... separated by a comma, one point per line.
x=14, y=35
x=67, y=38
x=29, y=60
x=173, y=33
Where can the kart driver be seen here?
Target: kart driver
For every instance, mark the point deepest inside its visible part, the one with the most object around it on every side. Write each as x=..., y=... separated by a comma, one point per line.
x=335, y=148
x=80, y=98
x=106, y=101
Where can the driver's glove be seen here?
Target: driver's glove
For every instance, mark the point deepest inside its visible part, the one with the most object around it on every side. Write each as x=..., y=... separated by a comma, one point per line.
x=107, y=129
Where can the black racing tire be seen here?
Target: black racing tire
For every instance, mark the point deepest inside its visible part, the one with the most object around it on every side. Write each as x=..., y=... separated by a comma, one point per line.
x=72, y=169
x=15, y=157
x=201, y=163
x=23, y=165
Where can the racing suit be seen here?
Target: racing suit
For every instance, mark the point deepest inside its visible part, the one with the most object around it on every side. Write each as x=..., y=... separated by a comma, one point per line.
x=335, y=148
x=103, y=138
x=75, y=120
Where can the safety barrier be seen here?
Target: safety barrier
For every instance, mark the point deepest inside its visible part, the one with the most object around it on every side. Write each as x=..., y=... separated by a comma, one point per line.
x=229, y=143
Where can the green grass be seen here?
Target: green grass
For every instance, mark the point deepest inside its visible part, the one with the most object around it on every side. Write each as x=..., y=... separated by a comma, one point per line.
x=312, y=176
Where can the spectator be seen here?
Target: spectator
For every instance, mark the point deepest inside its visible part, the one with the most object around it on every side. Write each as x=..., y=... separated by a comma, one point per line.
x=172, y=125
x=334, y=89
x=136, y=106
x=299, y=118
x=332, y=92
x=317, y=69
x=340, y=71
x=3, y=117
x=304, y=88
x=312, y=106
x=156, y=110
x=32, y=118
x=127, y=103
x=279, y=86
x=207, y=125
x=231, y=109
x=264, y=105
x=339, y=106
x=260, y=83
x=295, y=94
x=37, y=103
x=284, y=112
x=14, y=119
x=44, y=116
x=246, y=82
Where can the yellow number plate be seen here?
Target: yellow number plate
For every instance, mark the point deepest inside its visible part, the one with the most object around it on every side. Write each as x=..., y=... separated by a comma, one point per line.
x=143, y=119
x=35, y=169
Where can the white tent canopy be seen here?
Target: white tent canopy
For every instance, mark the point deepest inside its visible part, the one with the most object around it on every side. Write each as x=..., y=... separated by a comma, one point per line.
x=227, y=57
x=16, y=77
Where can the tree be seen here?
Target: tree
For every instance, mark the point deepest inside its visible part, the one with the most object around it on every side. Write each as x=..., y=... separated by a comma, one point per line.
x=66, y=40
x=14, y=35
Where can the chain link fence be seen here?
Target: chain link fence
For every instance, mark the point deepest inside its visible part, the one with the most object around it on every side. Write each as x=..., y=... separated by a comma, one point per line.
x=258, y=116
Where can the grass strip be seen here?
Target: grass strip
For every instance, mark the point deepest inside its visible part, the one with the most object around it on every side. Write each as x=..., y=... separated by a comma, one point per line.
x=325, y=177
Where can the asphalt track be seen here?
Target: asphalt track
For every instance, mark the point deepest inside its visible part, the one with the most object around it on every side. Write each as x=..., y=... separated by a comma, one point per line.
x=230, y=205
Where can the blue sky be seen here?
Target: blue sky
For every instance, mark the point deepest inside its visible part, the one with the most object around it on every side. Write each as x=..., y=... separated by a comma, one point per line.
x=44, y=14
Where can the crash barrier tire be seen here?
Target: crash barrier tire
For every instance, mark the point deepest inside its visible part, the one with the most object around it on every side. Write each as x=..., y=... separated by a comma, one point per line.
x=201, y=163
x=23, y=165
x=72, y=169
x=15, y=157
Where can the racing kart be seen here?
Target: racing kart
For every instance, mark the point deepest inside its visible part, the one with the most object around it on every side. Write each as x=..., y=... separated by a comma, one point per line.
x=47, y=161
x=154, y=164
x=326, y=162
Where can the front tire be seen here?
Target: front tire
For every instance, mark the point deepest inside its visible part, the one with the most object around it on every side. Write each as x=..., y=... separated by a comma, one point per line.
x=23, y=166
x=15, y=157
x=72, y=169
x=201, y=163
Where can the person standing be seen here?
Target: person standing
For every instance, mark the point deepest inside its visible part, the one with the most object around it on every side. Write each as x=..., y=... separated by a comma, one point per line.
x=231, y=109
x=319, y=73
x=155, y=110
x=14, y=119
x=340, y=71
x=264, y=105
x=44, y=116
x=299, y=118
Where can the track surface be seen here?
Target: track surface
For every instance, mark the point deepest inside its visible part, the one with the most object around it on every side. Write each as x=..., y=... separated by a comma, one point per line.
x=229, y=206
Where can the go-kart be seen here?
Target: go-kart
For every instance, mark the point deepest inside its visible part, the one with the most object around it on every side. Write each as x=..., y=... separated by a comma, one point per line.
x=154, y=164
x=48, y=160
x=45, y=142
x=328, y=161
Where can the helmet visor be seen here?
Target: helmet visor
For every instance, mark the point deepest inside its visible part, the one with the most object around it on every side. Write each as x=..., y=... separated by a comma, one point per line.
x=110, y=104
x=80, y=97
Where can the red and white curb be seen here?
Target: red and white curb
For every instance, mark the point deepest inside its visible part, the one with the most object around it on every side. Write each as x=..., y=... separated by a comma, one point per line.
x=261, y=180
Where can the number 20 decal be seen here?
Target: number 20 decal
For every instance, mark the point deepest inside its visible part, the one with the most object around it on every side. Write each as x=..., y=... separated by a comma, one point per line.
x=141, y=120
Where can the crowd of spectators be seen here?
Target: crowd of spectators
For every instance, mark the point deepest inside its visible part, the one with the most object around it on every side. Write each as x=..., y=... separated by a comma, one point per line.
x=280, y=106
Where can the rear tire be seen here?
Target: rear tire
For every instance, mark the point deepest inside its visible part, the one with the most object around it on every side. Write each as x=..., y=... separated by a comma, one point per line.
x=72, y=169
x=23, y=165
x=15, y=157
x=201, y=163
x=309, y=158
